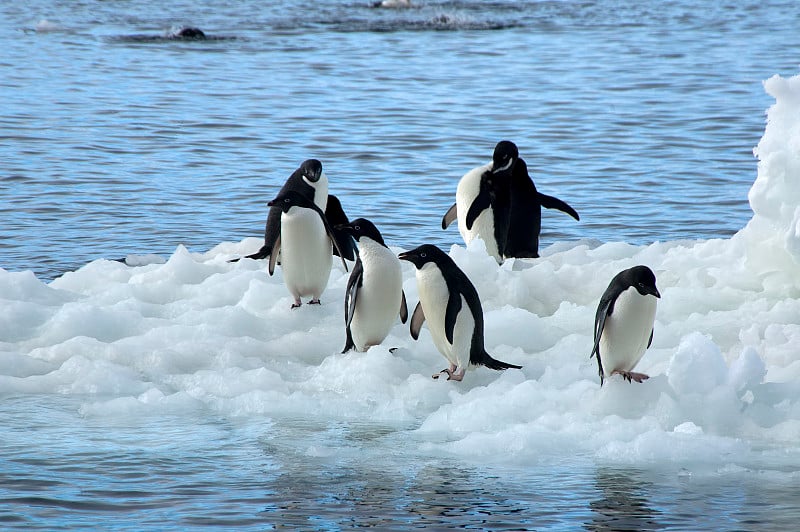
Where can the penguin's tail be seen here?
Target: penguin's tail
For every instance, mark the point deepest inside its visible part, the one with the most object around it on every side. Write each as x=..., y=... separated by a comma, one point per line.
x=493, y=363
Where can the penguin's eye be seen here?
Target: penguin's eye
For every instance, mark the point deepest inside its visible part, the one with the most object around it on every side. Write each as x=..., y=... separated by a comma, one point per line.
x=357, y=228
x=286, y=200
x=423, y=255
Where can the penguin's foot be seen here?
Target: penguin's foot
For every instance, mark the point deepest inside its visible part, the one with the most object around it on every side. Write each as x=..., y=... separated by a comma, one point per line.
x=631, y=376
x=451, y=373
x=314, y=302
x=296, y=304
x=457, y=375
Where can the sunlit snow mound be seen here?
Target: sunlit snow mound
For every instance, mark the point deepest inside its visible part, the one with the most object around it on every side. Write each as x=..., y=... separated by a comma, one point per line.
x=200, y=334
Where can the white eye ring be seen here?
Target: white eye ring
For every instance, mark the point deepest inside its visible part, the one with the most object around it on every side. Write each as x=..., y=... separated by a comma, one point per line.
x=423, y=255
x=357, y=228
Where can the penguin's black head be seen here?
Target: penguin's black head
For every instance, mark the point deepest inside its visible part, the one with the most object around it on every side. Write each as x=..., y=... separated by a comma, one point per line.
x=422, y=255
x=505, y=153
x=520, y=167
x=644, y=280
x=289, y=199
x=311, y=170
x=361, y=227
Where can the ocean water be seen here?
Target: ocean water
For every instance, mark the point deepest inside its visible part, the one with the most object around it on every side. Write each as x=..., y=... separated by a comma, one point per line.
x=178, y=390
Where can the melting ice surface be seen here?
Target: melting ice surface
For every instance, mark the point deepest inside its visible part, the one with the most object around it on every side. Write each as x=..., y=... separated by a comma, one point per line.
x=140, y=351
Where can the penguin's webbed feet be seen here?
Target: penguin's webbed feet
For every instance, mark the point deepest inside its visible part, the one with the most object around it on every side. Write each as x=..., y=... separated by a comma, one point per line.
x=315, y=302
x=451, y=373
x=297, y=303
x=631, y=376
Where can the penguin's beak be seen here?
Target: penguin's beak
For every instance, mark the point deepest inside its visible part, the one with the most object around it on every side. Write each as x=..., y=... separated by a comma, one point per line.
x=272, y=203
x=405, y=255
x=654, y=292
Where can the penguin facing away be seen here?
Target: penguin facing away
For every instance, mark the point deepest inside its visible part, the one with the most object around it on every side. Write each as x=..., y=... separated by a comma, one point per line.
x=450, y=303
x=526, y=213
x=623, y=325
x=305, y=244
x=483, y=201
x=374, y=295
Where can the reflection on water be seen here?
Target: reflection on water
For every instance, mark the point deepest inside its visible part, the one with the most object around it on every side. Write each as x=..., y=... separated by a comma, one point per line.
x=623, y=503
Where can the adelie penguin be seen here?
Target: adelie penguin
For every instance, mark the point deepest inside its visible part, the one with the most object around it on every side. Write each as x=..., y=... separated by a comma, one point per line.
x=374, y=295
x=502, y=206
x=450, y=303
x=623, y=324
x=525, y=222
x=304, y=243
x=483, y=201
x=310, y=181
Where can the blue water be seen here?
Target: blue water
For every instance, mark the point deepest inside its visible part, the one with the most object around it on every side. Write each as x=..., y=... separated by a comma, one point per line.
x=641, y=115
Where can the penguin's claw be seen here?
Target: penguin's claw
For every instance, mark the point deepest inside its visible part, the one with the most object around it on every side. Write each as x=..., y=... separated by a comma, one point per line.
x=315, y=302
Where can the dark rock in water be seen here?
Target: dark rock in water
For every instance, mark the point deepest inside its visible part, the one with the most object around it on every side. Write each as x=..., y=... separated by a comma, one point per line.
x=188, y=33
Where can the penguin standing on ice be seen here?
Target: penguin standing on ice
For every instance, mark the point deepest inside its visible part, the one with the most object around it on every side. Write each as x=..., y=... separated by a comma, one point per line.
x=374, y=295
x=483, y=201
x=305, y=244
x=310, y=181
x=623, y=325
x=526, y=213
x=450, y=303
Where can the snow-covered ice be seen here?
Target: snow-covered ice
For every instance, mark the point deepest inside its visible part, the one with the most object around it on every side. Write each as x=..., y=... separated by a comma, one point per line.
x=196, y=333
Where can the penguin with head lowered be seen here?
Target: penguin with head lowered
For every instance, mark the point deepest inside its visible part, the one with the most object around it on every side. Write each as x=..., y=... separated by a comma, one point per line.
x=305, y=244
x=623, y=324
x=450, y=303
x=374, y=295
x=483, y=201
x=525, y=222
x=310, y=181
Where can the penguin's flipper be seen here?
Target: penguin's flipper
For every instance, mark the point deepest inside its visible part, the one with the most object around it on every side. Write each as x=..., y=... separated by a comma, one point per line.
x=449, y=216
x=403, y=307
x=273, y=257
x=417, y=319
x=451, y=314
x=351, y=294
x=260, y=254
x=549, y=202
x=348, y=343
x=481, y=202
x=650, y=341
x=599, y=323
x=271, y=235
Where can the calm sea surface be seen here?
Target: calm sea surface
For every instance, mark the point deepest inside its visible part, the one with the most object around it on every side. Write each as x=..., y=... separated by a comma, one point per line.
x=642, y=115
x=114, y=140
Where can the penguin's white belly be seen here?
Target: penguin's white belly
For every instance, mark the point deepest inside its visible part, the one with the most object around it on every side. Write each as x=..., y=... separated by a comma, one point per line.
x=378, y=301
x=433, y=294
x=627, y=331
x=306, y=253
x=320, y=191
x=483, y=227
